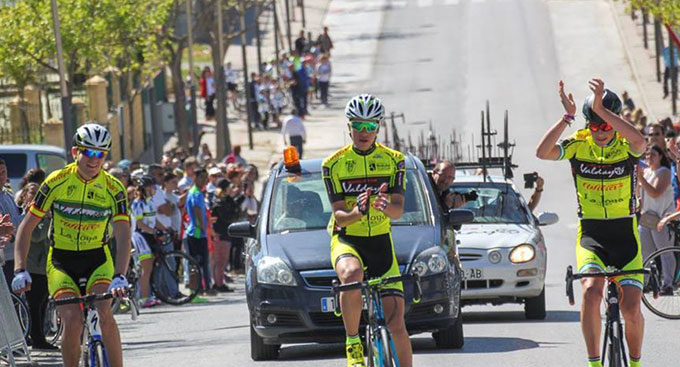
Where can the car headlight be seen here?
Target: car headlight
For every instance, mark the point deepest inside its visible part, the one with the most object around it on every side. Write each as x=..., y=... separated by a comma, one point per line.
x=431, y=261
x=522, y=253
x=272, y=270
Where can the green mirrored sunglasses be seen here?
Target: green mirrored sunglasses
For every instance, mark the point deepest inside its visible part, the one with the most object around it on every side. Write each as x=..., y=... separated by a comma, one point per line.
x=369, y=126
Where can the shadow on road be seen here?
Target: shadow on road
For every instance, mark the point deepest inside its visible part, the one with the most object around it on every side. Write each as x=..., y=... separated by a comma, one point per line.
x=517, y=316
x=479, y=345
x=305, y=352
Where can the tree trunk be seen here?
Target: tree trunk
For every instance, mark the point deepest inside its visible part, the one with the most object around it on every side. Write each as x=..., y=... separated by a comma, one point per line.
x=180, y=102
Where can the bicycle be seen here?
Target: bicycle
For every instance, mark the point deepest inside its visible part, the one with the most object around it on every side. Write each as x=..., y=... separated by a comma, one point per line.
x=167, y=276
x=378, y=339
x=130, y=302
x=21, y=308
x=613, y=332
x=668, y=304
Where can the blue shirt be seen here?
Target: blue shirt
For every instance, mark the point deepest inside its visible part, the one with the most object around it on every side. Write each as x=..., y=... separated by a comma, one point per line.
x=667, y=56
x=674, y=181
x=195, y=199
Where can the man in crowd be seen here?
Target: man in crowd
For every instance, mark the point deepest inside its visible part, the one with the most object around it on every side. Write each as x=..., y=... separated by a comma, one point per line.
x=443, y=175
x=294, y=129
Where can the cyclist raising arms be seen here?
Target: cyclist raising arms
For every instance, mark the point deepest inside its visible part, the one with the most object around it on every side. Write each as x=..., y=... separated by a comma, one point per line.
x=83, y=199
x=365, y=184
x=604, y=158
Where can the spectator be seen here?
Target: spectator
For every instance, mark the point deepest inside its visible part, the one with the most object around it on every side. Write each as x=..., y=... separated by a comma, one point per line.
x=225, y=210
x=252, y=98
x=443, y=175
x=214, y=174
x=323, y=71
x=120, y=175
x=8, y=207
x=187, y=181
x=627, y=101
x=637, y=115
x=657, y=203
x=667, y=68
x=204, y=157
x=627, y=115
x=230, y=78
x=124, y=165
x=34, y=175
x=324, y=41
x=668, y=127
x=295, y=86
x=209, y=82
x=536, y=196
x=656, y=135
x=300, y=43
x=294, y=129
x=173, y=220
x=303, y=87
x=309, y=64
x=235, y=156
x=160, y=201
x=198, y=225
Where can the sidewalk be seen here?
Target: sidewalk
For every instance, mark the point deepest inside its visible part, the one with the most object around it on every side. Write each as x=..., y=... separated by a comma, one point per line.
x=642, y=62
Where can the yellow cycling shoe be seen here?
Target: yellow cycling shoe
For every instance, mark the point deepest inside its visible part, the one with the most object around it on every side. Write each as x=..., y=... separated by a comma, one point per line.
x=355, y=355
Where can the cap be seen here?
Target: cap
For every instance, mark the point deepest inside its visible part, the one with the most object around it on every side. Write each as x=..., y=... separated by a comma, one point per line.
x=214, y=171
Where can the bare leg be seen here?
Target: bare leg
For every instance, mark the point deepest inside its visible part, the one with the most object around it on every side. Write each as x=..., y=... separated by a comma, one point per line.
x=72, y=320
x=635, y=322
x=349, y=270
x=591, y=323
x=110, y=332
x=394, y=314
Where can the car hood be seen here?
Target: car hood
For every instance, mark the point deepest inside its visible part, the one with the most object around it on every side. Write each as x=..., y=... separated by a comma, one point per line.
x=310, y=250
x=486, y=236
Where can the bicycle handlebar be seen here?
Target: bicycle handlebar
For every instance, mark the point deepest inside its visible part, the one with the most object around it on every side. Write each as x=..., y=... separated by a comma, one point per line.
x=376, y=282
x=609, y=274
x=90, y=298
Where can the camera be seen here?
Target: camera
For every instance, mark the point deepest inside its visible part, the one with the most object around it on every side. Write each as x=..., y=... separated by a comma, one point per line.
x=469, y=196
x=530, y=179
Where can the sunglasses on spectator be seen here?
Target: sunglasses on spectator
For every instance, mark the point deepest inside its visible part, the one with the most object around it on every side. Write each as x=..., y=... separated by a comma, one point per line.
x=369, y=126
x=93, y=153
x=599, y=127
x=654, y=134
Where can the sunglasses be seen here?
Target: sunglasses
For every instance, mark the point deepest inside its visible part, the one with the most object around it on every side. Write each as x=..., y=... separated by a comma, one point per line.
x=93, y=153
x=369, y=126
x=654, y=134
x=599, y=127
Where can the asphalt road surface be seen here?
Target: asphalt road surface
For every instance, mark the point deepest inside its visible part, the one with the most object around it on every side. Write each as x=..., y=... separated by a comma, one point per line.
x=438, y=61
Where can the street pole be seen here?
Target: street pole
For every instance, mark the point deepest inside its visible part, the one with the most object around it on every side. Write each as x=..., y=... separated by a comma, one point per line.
x=658, y=46
x=192, y=80
x=222, y=139
x=276, y=38
x=246, y=87
x=257, y=37
x=302, y=7
x=645, y=20
x=65, y=97
x=290, y=42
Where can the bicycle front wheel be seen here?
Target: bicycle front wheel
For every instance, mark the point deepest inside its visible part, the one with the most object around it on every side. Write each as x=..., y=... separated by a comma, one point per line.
x=167, y=278
x=389, y=357
x=665, y=265
x=615, y=352
x=98, y=357
x=22, y=314
x=52, y=327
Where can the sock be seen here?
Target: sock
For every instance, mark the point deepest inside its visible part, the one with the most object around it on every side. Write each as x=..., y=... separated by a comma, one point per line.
x=352, y=339
x=594, y=362
x=635, y=362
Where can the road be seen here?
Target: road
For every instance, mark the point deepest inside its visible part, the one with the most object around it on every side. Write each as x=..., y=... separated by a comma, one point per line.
x=439, y=61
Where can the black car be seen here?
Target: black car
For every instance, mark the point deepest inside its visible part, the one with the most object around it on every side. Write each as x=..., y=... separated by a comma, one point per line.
x=289, y=273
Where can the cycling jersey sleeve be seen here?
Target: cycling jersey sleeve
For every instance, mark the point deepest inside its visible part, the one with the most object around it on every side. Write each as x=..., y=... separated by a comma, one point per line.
x=335, y=192
x=568, y=146
x=118, y=195
x=43, y=199
x=626, y=143
x=399, y=183
x=137, y=210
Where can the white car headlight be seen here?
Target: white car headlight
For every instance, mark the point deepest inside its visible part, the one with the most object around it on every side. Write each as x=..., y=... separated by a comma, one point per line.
x=522, y=253
x=431, y=261
x=272, y=270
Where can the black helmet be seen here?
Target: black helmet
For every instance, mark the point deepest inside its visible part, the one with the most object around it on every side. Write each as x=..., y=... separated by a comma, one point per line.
x=610, y=101
x=145, y=181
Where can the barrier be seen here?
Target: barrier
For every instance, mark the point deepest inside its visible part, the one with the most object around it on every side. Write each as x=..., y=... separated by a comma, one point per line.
x=11, y=336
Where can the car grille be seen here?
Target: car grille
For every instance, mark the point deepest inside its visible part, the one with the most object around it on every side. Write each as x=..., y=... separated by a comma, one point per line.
x=320, y=281
x=469, y=256
x=482, y=284
x=329, y=318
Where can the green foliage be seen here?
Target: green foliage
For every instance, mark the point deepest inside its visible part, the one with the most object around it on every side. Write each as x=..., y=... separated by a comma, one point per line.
x=666, y=10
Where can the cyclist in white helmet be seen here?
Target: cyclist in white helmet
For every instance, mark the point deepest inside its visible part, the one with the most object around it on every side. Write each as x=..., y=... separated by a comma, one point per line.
x=83, y=200
x=365, y=184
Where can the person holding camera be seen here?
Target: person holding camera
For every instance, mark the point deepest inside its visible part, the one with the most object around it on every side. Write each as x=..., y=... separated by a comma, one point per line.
x=443, y=175
x=536, y=196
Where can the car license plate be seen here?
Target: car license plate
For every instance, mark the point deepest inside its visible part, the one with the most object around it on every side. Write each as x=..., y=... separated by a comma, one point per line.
x=473, y=274
x=328, y=304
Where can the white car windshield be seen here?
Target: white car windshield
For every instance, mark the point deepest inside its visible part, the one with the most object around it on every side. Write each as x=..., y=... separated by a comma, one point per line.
x=495, y=203
x=300, y=203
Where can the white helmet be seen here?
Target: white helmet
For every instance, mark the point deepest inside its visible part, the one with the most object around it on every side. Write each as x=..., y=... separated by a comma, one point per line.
x=93, y=136
x=365, y=107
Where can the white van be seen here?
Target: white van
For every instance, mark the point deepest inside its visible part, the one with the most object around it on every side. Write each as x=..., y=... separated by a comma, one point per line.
x=22, y=157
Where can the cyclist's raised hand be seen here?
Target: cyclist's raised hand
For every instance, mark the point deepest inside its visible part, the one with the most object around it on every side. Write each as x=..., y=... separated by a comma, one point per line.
x=567, y=100
x=597, y=87
x=382, y=200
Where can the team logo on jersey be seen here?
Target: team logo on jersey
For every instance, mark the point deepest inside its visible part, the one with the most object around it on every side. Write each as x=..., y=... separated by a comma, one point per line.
x=349, y=165
x=70, y=190
x=371, y=166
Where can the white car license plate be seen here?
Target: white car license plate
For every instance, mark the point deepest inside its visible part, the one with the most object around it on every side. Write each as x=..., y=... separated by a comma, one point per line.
x=473, y=274
x=328, y=304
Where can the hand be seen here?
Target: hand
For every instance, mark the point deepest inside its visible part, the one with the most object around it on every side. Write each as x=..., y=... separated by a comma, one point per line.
x=597, y=87
x=382, y=200
x=362, y=201
x=119, y=286
x=662, y=223
x=640, y=175
x=21, y=282
x=539, y=183
x=567, y=101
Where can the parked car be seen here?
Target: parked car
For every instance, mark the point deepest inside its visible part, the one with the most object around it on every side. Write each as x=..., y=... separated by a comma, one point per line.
x=289, y=273
x=503, y=251
x=22, y=157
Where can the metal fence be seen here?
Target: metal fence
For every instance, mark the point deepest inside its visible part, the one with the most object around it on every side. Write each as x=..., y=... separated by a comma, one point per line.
x=11, y=335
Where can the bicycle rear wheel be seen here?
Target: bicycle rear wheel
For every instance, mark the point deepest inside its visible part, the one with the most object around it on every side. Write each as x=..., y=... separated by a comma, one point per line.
x=22, y=314
x=167, y=278
x=667, y=264
x=52, y=327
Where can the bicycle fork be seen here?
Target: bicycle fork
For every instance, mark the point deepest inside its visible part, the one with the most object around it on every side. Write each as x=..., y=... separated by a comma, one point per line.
x=613, y=333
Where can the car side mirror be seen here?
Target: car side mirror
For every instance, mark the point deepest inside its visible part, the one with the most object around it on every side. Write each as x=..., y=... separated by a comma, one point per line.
x=458, y=217
x=547, y=218
x=241, y=229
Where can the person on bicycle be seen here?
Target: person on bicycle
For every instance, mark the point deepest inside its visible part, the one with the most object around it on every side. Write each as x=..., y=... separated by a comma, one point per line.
x=83, y=199
x=365, y=183
x=604, y=162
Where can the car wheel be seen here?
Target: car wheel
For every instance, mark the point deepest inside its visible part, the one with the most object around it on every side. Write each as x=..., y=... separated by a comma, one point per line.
x=259, y=351
x=451, y=337
x=534, y=307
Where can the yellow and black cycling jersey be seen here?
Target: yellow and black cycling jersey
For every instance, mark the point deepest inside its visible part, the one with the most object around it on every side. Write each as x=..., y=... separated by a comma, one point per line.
x=348, y=173
x=605, y=177
x=81, y=210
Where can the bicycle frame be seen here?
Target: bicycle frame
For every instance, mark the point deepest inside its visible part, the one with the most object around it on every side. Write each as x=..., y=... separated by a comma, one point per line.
x=94, y=335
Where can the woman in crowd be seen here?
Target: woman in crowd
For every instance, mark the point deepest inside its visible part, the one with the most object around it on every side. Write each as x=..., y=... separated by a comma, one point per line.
x=36, y=175
x=225, y=211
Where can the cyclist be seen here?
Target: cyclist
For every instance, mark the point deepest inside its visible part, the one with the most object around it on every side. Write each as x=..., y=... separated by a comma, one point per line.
x=365, y=184
x=83, y=199
x=604, y=158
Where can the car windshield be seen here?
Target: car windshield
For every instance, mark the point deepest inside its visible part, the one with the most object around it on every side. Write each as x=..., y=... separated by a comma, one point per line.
x=300, y=203
x=496, y=203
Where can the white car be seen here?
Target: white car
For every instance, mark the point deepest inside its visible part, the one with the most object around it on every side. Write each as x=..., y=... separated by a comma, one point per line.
x=20, y=158
x=503, y=251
